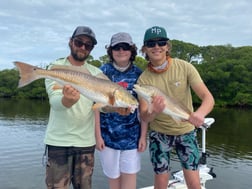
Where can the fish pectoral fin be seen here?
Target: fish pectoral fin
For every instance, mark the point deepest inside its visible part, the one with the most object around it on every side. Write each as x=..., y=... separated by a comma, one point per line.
x=98, y=106
x=57, y=86
x=150, y=108
x=111, y=98
x=150, y=104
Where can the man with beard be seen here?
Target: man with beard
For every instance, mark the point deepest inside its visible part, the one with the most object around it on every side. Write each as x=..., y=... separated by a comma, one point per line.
x=69, y=138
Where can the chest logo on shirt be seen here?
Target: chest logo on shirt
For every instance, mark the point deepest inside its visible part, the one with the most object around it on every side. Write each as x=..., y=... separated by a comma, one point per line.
x=177, y=83
x=123, y=84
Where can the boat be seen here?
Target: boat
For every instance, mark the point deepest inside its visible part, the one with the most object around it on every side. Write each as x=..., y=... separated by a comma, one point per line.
x=206, y=173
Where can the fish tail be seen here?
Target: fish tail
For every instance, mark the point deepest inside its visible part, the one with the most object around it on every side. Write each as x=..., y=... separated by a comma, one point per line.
x=27, y=73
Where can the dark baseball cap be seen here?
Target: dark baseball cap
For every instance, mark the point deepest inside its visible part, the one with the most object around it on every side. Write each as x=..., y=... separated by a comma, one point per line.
x=84, y=30
x=155, y=32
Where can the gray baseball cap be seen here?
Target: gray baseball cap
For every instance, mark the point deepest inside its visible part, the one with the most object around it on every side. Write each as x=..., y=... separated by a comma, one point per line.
x=121, y=37
x=84, y=30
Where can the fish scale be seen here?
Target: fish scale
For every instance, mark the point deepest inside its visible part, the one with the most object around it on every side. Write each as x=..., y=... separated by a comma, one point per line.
x=172, y=108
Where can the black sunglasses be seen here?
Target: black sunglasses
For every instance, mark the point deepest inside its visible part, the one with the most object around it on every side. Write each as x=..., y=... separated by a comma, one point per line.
x=151, y=44
x=78, y=43
x=123, y=46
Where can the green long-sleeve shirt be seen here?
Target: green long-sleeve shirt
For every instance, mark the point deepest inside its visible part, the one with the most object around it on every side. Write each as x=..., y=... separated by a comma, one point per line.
x=70, y=126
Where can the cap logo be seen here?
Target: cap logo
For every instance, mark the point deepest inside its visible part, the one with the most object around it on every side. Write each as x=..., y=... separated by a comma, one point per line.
x=156, y=30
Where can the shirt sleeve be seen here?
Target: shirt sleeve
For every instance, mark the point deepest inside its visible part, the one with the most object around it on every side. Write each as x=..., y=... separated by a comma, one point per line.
x=54, y=95
x=193, y=75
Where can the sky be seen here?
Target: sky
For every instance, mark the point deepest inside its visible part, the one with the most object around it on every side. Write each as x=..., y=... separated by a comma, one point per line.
x=38, y=31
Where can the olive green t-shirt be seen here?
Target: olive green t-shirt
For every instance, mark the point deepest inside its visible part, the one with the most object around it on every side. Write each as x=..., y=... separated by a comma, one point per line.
x=175, y=83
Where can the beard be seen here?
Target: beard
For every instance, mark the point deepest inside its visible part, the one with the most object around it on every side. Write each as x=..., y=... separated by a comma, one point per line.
x=79, y=56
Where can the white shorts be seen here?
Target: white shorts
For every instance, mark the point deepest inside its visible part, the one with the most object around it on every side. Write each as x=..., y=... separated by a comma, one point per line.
x=114, y=162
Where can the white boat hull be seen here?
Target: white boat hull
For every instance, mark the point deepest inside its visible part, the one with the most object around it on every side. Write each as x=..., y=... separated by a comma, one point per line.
x=175, y=185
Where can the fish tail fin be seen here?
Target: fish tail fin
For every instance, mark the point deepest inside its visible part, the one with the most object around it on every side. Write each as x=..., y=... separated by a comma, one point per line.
x=150, y=108
x=27, y=73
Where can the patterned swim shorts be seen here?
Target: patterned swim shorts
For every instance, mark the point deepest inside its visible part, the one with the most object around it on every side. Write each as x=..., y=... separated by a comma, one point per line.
x=186, y=147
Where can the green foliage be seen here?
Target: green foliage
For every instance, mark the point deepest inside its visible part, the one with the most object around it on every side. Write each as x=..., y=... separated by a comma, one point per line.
x=226, y=70
x=35, y=90
x=95, y=63
x=140, y=62
x=104, y=59
x=8, y=83
x=183, y=50
x=242, y=99
x=228, y=74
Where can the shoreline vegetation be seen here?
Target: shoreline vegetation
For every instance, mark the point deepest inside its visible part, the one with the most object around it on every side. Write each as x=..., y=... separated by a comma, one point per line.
x=226, y=70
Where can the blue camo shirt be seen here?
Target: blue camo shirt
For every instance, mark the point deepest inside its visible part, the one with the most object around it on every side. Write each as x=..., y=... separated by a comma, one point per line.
x=121, y=132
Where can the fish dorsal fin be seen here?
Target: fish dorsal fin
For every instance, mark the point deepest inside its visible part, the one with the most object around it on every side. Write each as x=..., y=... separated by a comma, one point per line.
x=102, y=76
x=71, y=68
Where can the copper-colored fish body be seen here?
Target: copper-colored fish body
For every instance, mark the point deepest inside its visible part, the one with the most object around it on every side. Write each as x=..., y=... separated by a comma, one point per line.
x=172, y=108
x=98, y=89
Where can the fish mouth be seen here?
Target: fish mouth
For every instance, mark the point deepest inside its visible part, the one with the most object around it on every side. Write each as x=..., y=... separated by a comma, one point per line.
x=138, y=89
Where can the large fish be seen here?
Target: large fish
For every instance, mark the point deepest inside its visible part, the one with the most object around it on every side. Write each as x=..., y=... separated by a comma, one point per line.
x=98, y=89
x=172, y=108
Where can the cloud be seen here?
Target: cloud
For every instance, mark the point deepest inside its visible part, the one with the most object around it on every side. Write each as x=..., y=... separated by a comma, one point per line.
x=37, y=31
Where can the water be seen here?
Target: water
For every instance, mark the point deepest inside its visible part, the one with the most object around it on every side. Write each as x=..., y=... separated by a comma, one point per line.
x=22, y=129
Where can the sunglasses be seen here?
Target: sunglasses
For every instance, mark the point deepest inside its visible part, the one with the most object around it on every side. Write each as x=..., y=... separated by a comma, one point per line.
x=123, y=46
x=78, y=43
x=151, y=44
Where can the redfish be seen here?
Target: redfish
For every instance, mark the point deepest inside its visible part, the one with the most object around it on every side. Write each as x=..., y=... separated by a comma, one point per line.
x=96, y=88
x=172, y=108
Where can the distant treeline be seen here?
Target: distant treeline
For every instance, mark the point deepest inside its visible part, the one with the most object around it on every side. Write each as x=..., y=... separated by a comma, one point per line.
x=226, y=70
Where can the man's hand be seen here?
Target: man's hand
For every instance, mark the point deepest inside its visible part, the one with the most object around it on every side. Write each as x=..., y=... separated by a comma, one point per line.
x=196, y=119
x=71, y=96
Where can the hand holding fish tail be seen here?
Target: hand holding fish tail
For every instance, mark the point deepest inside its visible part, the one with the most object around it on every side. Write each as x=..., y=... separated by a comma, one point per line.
x=71, y=96
x=196, y=118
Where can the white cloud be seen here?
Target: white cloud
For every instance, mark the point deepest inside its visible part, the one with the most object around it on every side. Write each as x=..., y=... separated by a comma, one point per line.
x=37, y=31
